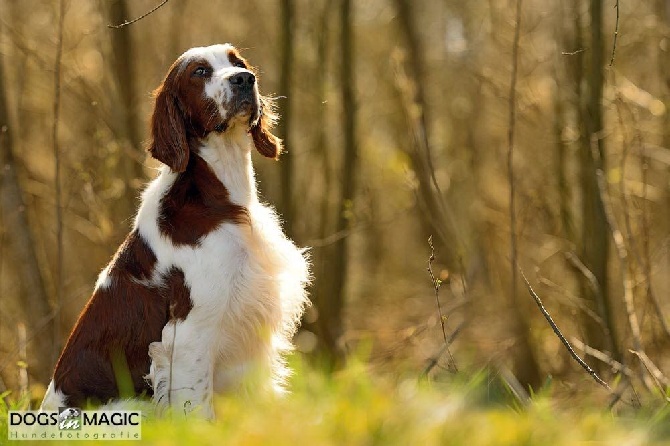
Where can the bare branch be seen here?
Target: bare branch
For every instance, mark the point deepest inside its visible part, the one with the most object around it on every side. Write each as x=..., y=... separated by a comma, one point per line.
x=558, y=333
x=659, y=379
x=432, y=362
x=573, y=53
x=595, y=289
x=173, y=319
x=616, y=33
x=436, y=286
x=130, y=22
x=578, y=302
x=603, y=357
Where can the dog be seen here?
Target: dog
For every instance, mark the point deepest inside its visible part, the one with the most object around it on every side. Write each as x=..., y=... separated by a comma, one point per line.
x=206, y=292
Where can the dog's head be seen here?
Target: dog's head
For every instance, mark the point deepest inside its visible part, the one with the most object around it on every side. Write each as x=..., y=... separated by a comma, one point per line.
x=209, y=89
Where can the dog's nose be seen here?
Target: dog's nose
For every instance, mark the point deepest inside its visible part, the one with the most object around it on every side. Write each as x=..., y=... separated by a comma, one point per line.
x=243, y=79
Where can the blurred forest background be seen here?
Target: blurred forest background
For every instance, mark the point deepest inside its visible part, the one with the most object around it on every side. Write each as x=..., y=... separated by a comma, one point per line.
x=396, y=119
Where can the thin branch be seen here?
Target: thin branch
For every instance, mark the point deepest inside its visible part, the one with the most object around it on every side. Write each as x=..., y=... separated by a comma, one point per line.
x=174, y=341
x=57, y=179
x=130, y=22
x=603, y=357
x=616, y=33
x=558, y=333
x=436, y=358
x=660, y=380
x=436, y=286
x=578, y=302
x=339, y=235
x=510, y=148
x=573, y=53
x=595, y=289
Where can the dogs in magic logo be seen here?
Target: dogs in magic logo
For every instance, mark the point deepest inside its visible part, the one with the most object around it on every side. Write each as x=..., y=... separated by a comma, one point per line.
x=72, y=423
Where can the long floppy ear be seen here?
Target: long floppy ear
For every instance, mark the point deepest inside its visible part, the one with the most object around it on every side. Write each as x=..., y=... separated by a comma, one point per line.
x=169, y=144
x=266, y=143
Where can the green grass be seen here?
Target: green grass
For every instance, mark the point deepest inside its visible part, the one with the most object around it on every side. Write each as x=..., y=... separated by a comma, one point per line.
x=355, y=407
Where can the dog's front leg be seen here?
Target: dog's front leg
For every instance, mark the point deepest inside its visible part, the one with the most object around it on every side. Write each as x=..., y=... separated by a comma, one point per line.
x=182, y=369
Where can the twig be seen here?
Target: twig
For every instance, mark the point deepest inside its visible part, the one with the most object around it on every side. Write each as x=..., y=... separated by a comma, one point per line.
x=436, y=357
x=660, y=380
x=510, y=148
x=130, y=22
x=603, y=357
x=339, y=235
x=616, y=33
x=558, y=333
x=577, y=301
x=595, y=288
x=174, y=341
x=57, y=179
x=436, y=286
x=651, y=367
x=573, y=53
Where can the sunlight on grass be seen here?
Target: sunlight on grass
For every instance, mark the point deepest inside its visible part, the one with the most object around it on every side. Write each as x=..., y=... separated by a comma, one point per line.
x=354, y=407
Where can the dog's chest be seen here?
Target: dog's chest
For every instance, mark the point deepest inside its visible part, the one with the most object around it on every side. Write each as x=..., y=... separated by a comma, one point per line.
x=234, y=276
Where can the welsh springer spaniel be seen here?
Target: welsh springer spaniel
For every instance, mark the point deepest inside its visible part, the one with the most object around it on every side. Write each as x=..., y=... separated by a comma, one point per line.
x=206, y=291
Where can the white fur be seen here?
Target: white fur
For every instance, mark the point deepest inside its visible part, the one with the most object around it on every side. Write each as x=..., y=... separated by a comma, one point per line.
x=53, y=399
x=247, y=286
x=103, y=281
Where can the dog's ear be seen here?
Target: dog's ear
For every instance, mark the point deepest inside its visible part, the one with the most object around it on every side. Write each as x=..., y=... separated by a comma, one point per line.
x=168, y=132
x=266, y=143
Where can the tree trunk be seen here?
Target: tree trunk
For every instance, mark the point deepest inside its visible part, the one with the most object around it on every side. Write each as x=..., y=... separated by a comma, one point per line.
x=123, y=62
x=286, y=165
x=595, y=231
x=34, y=301
x=331, y=302
x=436, y=216
x=321, y=284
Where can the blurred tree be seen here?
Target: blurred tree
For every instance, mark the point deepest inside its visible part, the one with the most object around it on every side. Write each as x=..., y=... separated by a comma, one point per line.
x=321, y=282
x=438, y=220
x=565, y=40
x=287, y=63
x=595, y=231
x=129, y=130
x=330, y=302
x=33, y=296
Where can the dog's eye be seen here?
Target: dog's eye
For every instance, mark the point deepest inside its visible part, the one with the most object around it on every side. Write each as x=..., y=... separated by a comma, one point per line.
x=200, y=71
x=239, y=64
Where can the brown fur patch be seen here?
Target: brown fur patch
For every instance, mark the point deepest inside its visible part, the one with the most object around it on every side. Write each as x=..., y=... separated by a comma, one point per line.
x=196, y=204
x=123, y=318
